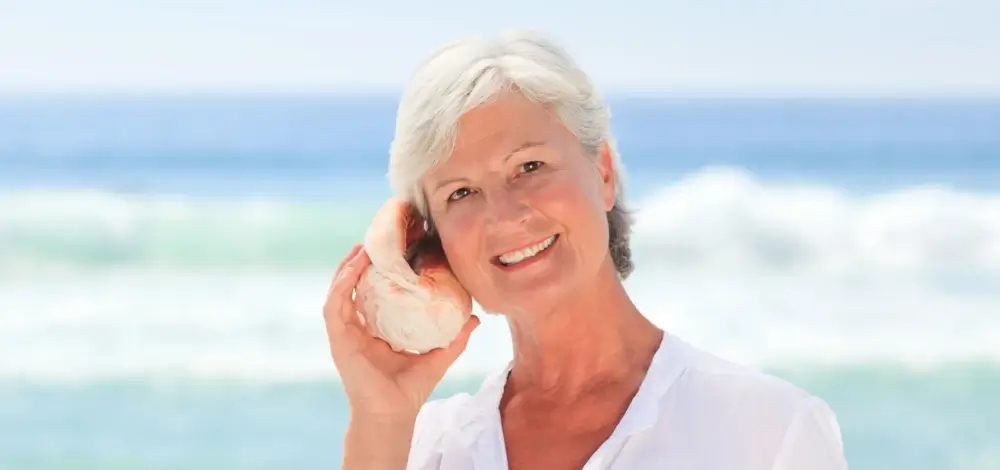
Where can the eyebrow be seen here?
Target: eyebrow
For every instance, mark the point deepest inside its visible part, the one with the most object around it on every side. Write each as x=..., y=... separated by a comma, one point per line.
x=520, y=148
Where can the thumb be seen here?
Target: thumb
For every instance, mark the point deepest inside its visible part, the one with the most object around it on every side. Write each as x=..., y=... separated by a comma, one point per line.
x=446, y=356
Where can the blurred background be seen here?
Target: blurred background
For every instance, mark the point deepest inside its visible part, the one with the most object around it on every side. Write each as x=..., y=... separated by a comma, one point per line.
x=817, y=187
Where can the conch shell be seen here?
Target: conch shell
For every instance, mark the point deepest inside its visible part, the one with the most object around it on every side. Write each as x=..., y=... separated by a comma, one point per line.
x=408, y=296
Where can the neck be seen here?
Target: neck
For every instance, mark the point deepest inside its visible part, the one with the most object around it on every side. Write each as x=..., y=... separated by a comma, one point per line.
x=594, y=338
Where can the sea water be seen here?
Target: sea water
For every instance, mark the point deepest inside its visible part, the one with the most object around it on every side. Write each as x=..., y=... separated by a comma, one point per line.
x=163, y=263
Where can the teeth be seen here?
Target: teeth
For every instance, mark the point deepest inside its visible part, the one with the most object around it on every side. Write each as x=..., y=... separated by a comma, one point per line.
x=515, y=257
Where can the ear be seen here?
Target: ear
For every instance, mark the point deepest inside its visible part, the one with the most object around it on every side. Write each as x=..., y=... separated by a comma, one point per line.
x=424, y=222
x=605, y=169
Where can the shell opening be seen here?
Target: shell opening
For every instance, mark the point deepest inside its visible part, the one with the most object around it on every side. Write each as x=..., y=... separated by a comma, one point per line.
x=422, y=250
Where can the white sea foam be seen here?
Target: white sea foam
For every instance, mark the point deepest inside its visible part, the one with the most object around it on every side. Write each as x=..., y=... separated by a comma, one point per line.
x=760, y=273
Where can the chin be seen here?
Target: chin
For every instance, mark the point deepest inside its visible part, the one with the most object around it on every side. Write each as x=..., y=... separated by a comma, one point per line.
x=513, y=301
x=541, y=286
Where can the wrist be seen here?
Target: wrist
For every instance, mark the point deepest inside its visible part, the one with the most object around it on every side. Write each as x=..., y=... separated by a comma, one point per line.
x=367, y=420
x=378, y=442
x=385, y=415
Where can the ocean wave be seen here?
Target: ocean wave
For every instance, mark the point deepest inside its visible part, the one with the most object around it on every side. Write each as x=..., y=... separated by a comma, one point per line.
x=719, y=218
x=778, y=273
x=82, y=230
x=724, y=218
x=758, y=272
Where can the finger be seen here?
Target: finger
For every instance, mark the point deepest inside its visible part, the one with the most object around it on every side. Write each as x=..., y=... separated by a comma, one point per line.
x=458, y=345
x=356, y=253
x=350, y=255
x=340, y=269
x=340, y=310
x=336, y=301
x=350, y=274
x=462, y=340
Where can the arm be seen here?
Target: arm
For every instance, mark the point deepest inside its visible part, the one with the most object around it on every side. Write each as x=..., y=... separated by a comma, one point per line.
x=375, y=443
x=812, y=441
x=397, y=443
x=384, y=388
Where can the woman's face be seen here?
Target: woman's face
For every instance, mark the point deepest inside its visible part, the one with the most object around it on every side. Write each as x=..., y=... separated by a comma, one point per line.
x=520, y=210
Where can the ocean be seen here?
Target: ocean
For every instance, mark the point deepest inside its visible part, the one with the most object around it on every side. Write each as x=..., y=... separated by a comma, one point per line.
x=163, y=263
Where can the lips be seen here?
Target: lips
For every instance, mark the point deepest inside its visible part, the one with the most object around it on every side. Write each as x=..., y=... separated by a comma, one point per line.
x=519, y=255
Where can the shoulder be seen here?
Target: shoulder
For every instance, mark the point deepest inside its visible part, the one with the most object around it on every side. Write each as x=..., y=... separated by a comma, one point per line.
x=724, y=381
x=782, y=424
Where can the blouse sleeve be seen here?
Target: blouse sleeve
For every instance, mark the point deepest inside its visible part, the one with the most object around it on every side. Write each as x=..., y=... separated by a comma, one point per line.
x=813, y=440
x=425, y=451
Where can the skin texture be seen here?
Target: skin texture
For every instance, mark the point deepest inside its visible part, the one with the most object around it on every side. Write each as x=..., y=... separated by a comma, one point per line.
x=581, y=348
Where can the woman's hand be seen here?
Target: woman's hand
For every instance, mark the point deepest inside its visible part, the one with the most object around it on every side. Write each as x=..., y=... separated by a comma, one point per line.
x=381, y=385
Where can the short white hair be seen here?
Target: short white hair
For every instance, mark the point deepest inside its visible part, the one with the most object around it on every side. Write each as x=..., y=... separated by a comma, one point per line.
x=470, y=72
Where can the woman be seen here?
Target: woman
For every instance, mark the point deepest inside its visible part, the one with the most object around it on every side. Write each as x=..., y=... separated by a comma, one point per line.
x=506, y=148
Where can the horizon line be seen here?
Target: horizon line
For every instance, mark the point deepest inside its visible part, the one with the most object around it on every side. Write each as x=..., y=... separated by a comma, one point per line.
x=607, y=92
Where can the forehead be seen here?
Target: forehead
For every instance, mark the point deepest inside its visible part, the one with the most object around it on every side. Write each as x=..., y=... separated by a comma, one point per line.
x=510, y=116
x=498, y=128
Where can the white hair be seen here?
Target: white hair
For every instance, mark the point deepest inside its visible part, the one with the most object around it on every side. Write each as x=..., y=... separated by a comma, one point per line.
x=472, y=71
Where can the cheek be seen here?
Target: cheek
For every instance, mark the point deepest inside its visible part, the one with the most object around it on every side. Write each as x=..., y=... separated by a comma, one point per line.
x=568, y=200
x=580, y=210
x=460, y=240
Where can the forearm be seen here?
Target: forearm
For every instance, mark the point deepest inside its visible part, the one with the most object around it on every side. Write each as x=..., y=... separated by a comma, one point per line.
x=378, y=443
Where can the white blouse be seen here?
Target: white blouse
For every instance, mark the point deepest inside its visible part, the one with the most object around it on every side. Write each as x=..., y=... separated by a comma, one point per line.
x=692, y=411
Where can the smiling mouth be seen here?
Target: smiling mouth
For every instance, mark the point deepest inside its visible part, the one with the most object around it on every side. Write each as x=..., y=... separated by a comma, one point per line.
x=514, y=257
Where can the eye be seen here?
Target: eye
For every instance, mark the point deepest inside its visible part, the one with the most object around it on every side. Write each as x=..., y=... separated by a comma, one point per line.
x=459, y=194
x=532, y=166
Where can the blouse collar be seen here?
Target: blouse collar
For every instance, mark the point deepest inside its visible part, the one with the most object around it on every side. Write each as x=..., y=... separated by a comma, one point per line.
x=483, y=411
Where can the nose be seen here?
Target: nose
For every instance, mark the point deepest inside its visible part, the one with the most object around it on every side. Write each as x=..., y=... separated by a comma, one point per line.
x=506, y=208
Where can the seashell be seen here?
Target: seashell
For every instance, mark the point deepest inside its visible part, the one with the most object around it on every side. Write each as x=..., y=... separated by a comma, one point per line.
x=409, y=296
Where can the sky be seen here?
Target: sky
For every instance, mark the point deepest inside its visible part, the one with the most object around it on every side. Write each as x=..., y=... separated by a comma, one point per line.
x=729, y=46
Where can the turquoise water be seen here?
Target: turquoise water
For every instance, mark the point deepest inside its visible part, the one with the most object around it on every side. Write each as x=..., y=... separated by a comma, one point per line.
x=891, y=418
x=163, y=262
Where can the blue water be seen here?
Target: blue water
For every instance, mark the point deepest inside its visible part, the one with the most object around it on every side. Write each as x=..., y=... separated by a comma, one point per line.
x=196, y=143
x=163, y=260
